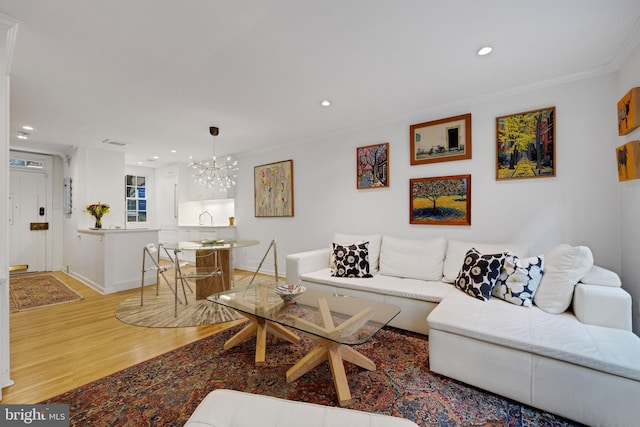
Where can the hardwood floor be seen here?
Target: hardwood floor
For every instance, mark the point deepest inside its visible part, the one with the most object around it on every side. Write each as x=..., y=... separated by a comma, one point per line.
x=58, y=348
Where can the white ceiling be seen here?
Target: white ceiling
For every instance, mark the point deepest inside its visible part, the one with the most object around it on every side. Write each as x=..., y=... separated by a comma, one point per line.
x=157, y=73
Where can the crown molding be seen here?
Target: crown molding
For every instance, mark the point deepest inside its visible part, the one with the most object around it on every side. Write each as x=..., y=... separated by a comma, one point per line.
x=10, y=26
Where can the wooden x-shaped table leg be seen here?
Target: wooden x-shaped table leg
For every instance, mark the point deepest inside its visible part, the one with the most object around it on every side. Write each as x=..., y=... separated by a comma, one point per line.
x=259, y=328
x=334, y=352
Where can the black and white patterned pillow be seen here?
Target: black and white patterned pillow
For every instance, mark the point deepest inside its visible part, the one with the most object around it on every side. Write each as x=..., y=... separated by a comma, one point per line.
x=519, y=279
x=351, y=260
x=479, y=273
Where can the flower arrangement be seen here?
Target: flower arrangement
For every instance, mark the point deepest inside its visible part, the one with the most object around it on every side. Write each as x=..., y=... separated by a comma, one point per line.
x=97, y=210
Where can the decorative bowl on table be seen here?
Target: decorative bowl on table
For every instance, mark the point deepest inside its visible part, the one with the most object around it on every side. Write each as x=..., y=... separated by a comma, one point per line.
x=290, y=293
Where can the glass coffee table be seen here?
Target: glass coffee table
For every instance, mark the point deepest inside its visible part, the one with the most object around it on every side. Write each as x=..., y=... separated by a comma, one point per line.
x=335, y=322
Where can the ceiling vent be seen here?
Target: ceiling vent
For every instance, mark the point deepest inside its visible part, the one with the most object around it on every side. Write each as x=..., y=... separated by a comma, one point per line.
x=112, y=142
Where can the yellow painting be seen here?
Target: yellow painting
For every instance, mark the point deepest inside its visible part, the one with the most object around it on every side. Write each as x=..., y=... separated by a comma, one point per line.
x=629, y=112
x=628, y=157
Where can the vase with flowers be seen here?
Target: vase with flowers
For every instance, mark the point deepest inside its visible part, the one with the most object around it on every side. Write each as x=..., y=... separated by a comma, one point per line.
x=97, y=210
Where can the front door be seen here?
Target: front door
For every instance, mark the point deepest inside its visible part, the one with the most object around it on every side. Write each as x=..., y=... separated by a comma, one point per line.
x=28, y=219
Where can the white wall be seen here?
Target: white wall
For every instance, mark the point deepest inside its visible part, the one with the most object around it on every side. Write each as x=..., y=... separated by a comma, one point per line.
x=8, y=31
x=97, y=176
x=629, y=77
x=579, y=206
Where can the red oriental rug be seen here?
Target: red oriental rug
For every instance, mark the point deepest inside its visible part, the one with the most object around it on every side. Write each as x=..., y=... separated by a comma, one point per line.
x=165, y=390
x=33, y=291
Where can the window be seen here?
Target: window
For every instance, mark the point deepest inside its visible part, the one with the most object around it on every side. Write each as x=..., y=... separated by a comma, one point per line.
x=31, y=164
x=136, y=191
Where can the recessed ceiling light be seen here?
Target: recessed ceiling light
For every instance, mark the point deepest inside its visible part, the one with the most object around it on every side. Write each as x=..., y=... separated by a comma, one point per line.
x=485, y=50
x=139, y=163
x=155, y=157
x=27, y=127
x=21, y=136
x=325, y=103
x=174, y=151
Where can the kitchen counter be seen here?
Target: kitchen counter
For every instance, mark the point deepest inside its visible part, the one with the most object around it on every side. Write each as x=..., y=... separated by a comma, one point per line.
x=110, y=259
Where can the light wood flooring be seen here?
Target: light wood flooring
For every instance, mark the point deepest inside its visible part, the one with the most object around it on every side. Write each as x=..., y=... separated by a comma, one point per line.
x=58, y=348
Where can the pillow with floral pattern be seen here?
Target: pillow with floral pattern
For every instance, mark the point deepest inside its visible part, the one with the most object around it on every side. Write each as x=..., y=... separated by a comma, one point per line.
x=519, y=279
x=479, y=273
x=351, y=260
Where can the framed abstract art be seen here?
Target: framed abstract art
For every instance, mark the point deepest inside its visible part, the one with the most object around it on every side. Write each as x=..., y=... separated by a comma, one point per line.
x=273, y=189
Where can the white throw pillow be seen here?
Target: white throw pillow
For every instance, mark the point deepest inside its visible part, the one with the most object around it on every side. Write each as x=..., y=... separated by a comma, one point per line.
x=413, y=259
x=457, y=251
x=564, y=266
x=374, y=245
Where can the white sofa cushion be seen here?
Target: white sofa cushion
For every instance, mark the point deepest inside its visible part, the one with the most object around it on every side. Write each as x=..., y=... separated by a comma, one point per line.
x=413, y=259
x=433, y=291
x=564, y=266
x=231, y=408
x=602, y=277
x=519, y=279
x=374, y=245
x=561, y=336
x=457, y=250
x=607, y=306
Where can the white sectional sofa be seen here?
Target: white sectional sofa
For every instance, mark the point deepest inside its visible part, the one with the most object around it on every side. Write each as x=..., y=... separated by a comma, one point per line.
x=571, y=353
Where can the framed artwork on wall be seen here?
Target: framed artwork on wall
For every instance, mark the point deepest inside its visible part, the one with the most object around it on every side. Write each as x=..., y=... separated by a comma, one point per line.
x=441, y=140
x=629, y=112
x=273, y=189
x=526, y=145
x=628, y=157
x=372, y=166
x=443, y=200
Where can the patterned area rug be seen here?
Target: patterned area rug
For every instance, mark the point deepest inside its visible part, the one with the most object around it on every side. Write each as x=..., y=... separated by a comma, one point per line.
x=166, y=390
x=32, y=291
x=158, y=311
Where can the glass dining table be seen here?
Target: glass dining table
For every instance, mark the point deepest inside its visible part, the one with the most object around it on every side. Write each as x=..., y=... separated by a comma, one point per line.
x=213, y=270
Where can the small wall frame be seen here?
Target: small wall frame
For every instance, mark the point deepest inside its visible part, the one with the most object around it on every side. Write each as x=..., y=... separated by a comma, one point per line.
x=628, y=159
x=629, y=112
x=372, y=166
x=441, y=140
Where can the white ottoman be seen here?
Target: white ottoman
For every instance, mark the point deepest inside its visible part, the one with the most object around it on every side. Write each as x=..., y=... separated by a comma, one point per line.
x=225, y=408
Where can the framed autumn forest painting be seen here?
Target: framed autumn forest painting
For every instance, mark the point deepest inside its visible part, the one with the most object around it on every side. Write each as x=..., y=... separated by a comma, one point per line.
x=372, y=166
x=526, y=145
x=443, y=200
x=441, y=140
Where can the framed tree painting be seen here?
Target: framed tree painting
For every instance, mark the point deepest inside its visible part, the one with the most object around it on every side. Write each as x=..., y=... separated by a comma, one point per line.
x=273, y=189
x=441, y=140
x=372, y=165
x=526, y=145
x=443, y=200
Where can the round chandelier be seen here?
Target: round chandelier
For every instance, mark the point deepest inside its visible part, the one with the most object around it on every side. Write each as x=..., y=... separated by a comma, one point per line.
x=214, y=174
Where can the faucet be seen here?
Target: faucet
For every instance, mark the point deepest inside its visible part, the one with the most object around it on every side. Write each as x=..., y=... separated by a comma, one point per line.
x=201, y=221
